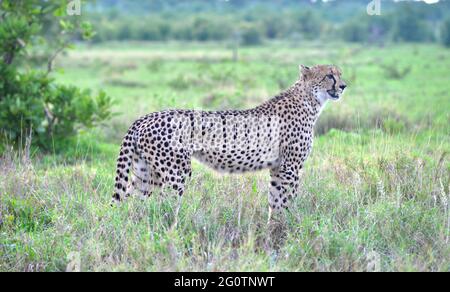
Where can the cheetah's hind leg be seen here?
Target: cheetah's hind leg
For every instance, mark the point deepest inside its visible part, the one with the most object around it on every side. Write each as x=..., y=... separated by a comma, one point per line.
x=140, y=178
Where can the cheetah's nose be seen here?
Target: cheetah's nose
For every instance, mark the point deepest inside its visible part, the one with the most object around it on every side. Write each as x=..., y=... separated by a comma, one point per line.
x=343, y=86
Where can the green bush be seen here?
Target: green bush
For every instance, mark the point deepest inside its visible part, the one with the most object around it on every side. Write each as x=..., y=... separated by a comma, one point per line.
x=32, y=102
x=12, y=30
x=367, y=29
x=309, y=24
x=379, y=28
x=274, y=27
x=150, y=33
x=205, y=29
x=251, y=37
x=445, y=33
x=205, y=21
x=410, y=26
x=354, y=31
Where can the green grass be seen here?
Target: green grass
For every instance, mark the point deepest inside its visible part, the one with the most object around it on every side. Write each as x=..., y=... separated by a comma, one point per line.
x=375, y=192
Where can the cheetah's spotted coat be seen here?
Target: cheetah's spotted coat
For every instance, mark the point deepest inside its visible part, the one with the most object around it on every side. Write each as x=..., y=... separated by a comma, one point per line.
x=278, y=135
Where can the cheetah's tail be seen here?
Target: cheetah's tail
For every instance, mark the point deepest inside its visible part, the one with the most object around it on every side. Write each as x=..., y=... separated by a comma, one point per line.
x=124, y=162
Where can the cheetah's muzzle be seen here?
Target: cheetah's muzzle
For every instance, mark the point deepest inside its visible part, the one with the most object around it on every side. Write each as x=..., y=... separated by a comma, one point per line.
x=333, y=93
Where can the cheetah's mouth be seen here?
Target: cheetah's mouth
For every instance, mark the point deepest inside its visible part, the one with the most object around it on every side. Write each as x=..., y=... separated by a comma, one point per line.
x=333, y=93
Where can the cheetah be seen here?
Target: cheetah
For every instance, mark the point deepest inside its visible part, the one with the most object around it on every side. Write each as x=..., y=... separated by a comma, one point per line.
x=277, y=135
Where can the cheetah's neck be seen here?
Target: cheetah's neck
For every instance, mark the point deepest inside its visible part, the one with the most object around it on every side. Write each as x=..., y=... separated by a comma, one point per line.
x=313, y=104
x=303, y=97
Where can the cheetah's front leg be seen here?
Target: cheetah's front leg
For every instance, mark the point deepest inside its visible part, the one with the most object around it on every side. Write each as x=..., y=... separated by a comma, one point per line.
x=283, y=187
x=180, y=172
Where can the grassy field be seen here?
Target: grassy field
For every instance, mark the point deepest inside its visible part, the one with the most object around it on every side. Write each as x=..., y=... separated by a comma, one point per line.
x=375, y=192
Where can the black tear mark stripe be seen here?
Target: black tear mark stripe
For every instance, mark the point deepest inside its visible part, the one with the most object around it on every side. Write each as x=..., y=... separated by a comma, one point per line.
x=334, y=80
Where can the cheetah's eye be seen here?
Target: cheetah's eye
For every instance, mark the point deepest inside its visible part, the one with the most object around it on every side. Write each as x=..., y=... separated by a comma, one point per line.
x=330, y=76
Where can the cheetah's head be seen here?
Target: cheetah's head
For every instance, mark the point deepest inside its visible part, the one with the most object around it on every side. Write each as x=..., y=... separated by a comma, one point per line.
x=324, y=81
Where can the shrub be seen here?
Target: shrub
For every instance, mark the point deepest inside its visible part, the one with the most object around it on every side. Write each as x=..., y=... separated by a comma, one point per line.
x=395, y=71
x=354, y=31
x=274, y=27
x=309, y=24
x=379, y=28
x=445, y=33
x=12, y=30
x=251, y=37
x=205, y=29
x=148, y=33
x=125, y=33
x=410, y=26
x=31, y=102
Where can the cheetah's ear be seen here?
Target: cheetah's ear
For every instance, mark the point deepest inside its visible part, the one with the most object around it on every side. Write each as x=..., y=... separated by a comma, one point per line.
x=305, y=71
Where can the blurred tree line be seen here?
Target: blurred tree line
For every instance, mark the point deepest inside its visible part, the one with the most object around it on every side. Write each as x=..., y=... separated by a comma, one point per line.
x=258, y=20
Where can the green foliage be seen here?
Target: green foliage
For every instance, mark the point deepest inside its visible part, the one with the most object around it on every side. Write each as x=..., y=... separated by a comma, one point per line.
x=213, y=21
x=355, y=32
x=205, y=29
x=274, y=27
x=394, y=71
x=309, y=24
x=380, y=28
x=14, y=33
x=251, y=36
x=199, y=28
x=27, y=215
x=411, y=26
x=445, y=33
x=30, y=101
x=404, y=24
